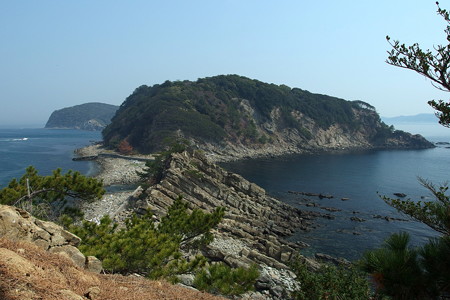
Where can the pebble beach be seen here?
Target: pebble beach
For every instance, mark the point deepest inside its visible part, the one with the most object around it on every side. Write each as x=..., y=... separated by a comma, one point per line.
x=112, y=171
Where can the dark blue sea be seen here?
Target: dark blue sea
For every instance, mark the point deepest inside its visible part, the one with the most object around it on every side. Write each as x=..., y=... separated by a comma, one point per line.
x=362, y=177
x=45, y=149
x=357, y=176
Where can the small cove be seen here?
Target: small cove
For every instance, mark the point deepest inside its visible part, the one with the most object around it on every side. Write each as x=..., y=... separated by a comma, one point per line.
x=359, y=176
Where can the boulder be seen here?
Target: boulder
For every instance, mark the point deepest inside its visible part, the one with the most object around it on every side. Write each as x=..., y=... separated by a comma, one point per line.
x=18, y=225
x=93, y=264
x=71, y=252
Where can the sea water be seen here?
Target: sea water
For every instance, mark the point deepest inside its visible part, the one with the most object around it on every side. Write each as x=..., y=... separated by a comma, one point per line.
x=45, y=149
x=363, y=177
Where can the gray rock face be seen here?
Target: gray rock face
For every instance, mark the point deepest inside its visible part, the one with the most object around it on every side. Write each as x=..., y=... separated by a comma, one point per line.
x=18, y=225
x=255, y=225
x=259, y=221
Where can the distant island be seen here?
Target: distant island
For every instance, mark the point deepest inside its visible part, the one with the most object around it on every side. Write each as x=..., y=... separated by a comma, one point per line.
x=92, y=116
x=231, y=117
x=419, y=118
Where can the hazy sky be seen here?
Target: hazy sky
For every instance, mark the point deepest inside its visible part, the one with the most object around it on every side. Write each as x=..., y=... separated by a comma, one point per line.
x=56, y=54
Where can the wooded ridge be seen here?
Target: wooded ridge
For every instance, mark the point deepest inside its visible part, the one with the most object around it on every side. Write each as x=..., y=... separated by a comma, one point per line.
x=231, y=115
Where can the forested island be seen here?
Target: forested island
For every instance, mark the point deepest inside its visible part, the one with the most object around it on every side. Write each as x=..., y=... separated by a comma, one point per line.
x=87, y=116
x=191, y=221
x=231, y=117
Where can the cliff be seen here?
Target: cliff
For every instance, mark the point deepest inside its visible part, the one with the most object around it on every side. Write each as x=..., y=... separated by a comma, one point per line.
x=255, y=227
x=88, y=116
x=232, y=117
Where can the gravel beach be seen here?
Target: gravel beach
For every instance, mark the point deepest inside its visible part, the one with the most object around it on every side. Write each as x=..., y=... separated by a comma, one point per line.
x=113, y=171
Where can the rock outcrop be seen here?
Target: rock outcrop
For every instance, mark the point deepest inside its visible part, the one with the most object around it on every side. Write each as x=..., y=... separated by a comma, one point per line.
x=257, y=221
x=334, y=138
x=18, y=225
x=254, y=227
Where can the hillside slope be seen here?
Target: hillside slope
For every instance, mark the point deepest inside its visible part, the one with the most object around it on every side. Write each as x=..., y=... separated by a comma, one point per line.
x=233, y=117
x=39, y=260
x=29, y=272
x=88, y=116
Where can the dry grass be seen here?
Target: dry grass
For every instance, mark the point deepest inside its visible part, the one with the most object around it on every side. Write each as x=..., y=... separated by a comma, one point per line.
x=27, y=272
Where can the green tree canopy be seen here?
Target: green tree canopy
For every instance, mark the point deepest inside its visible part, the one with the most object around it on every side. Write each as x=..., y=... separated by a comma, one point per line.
x=226, y=108
x=395, y=269
x=146, y=248
x=50, y=193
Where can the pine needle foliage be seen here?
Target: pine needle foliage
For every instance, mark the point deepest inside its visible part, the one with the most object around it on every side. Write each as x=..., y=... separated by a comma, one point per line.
x=330, y=282
x=435, y=260
x=395, y=269
x=402, y=272
x=435, y=213
x=144, y=248
x=48, y=196
x=191, y=229
x=433, y=65
x=221, y=279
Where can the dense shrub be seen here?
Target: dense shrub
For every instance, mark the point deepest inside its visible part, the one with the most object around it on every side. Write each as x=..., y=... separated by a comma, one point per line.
x=144, y=248
x=153, y=170
x=330, y=282
x=221, y=279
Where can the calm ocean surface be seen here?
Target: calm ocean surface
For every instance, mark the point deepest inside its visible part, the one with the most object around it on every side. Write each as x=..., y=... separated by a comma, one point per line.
x=357, y=176
x=45, y=149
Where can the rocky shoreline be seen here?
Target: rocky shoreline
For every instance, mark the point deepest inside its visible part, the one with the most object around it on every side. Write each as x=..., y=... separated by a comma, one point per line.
x=112, y=171
x=255, y=226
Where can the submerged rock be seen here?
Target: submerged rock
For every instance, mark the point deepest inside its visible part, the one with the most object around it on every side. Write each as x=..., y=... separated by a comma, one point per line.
x=401, y=195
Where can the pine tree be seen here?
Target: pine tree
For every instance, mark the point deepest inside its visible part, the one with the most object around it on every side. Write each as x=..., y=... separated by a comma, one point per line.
x=395, y=269
x=48, y=196
x=221, y=279
x=144, y=248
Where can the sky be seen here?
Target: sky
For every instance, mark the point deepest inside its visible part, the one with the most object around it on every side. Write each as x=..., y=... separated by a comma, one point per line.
x=56, y=54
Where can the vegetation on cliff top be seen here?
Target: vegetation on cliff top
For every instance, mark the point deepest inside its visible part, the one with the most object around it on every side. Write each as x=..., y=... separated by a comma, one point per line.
x=230, y=108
